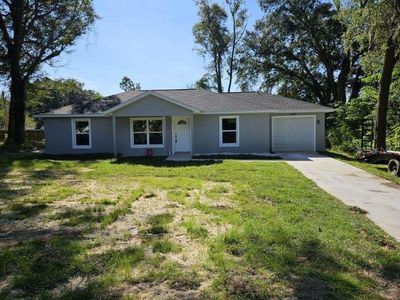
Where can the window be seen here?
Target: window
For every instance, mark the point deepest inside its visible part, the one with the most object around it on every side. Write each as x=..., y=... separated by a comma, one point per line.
x=147, y=133
x=229, y=131
x=81, y=134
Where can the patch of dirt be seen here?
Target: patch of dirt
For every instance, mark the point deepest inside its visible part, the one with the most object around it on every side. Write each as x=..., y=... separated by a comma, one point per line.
x=157, y=291
x=127, y=231
x=358, y=210
x=73, y=284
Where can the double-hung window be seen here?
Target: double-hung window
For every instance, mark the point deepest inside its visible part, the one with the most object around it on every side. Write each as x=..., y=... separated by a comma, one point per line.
x=81, y=134
x=147, y=133
x=229, y=131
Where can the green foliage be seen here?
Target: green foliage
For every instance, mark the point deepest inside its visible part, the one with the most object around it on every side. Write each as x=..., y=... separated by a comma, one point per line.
x=205, y=83
x=47, y=94
x=127, y=84
x=211, y=34
x=375, y=25
x=217, y=42
x=34, y=33
x=345, y=131
x=297, y=49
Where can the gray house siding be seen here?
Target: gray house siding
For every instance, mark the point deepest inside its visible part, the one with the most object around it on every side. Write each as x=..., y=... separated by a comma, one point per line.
x=151, y=106
x=253, y=134
x=58, y=136
x=124, y=139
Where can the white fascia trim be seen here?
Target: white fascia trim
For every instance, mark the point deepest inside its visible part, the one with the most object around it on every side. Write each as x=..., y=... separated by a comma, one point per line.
x=141, y=96
x=328, y=110
x=68, y=116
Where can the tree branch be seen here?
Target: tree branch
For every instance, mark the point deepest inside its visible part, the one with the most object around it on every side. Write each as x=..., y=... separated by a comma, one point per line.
x=4, y=31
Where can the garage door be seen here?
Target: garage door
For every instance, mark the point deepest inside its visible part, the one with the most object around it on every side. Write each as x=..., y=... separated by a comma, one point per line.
x=293, y=133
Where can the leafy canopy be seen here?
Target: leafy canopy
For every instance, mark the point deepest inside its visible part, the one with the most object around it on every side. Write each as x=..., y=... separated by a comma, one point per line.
x=297, y=49
x=37, y=31
x=127, y=84
x=47, y=94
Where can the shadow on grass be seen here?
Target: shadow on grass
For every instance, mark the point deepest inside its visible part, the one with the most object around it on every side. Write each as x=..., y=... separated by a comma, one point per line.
x=39, y=265
x=338, y=156
x=161, y=162
x=32, y=171
x=23, y=211
x=57, y=265
x=238, y=157
x=311, y=269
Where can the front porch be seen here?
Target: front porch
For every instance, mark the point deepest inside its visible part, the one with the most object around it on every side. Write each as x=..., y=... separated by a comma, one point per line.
x=153, y=135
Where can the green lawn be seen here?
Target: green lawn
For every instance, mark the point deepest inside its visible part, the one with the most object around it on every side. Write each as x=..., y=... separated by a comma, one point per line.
x=375, y=169
x=142, y=228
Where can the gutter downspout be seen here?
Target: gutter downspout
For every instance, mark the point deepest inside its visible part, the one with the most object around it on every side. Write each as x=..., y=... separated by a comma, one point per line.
x=114, y=135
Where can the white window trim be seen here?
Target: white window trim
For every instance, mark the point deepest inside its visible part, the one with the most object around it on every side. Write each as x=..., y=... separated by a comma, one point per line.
x=148, y=145
x=73, y=132
x=237, y=144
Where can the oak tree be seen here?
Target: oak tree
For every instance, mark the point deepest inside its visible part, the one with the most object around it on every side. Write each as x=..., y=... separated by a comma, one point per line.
x=34, y=32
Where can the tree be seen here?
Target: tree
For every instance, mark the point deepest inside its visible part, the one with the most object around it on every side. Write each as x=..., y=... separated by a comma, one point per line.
x=376, y=23
x=297, y=49
x=3, y=110
x=47, y=94
x=127, y=84
x=205, y=83
x=34, y=32
x=211, y=34
x=238, y=15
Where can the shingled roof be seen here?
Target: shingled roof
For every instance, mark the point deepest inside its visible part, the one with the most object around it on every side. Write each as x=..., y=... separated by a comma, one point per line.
x=202, y=101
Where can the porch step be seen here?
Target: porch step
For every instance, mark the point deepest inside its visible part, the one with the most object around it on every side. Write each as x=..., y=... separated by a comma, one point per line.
x=180, y=157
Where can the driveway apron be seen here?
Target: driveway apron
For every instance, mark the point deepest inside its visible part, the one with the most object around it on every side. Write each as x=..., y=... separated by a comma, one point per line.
x=354, y=187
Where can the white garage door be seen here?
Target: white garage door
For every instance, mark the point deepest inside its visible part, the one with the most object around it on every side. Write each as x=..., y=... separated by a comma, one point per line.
x=293, y=133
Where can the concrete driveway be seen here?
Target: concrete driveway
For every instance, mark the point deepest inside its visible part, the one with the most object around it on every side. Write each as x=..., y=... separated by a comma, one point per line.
x=355, y=187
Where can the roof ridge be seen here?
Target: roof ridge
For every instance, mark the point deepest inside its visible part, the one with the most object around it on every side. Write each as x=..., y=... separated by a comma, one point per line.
x=150, y=90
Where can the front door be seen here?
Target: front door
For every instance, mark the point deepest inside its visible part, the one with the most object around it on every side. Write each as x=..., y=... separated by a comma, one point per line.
x=181, y=135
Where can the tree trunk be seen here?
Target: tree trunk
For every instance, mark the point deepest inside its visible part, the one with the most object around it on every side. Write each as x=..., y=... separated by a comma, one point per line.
x=218, y=75
x=231, y=62
x=384, y=89
x=16, y=118
x=343, y=79
x=356, y=84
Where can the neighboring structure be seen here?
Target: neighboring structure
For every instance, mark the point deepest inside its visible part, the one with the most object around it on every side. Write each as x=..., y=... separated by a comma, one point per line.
x=186, y=121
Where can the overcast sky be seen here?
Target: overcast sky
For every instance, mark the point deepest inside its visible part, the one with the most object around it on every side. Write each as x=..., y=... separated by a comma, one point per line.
x=149, y=41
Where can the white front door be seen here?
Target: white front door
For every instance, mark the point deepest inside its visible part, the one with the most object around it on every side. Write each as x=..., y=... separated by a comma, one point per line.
x=181, y=134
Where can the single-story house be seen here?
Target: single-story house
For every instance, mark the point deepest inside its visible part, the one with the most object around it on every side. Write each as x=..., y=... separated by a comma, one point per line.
x=191, y=121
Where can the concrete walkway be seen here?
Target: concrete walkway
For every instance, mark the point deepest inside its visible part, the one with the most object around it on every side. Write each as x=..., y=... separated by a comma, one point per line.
x=355, y=187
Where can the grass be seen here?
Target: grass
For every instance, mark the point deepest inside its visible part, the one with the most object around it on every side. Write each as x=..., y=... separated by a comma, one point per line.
x=219, y=230
x=379, y=169
x=122, y=209
x=159, y=223
x=194, y=229
x=165, y=246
